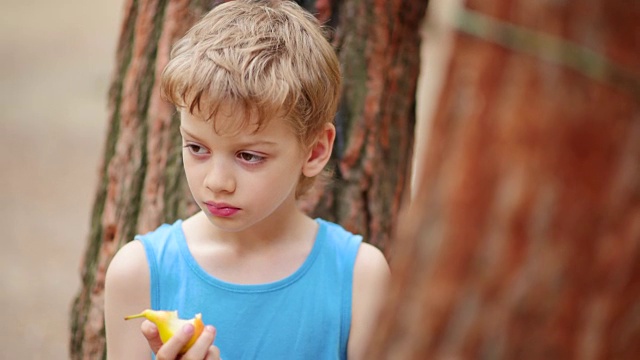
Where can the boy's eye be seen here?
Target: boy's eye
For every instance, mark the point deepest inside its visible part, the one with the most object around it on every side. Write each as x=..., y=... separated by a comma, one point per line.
x=196, y=149
x=250, y=157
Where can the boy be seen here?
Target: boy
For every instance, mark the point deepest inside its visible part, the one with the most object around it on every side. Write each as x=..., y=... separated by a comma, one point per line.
x=257, y=85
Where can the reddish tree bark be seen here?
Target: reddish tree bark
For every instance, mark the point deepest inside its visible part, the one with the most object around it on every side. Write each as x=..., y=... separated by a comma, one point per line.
x=141, y=181
x=379, y=48
x=523, y=239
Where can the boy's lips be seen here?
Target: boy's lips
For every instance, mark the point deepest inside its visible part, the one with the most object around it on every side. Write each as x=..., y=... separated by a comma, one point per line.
x=221, y=209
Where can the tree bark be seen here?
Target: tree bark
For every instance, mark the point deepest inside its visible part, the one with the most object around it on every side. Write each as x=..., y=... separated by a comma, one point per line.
x=523, y=238
x=379, y=47
x=142, y=184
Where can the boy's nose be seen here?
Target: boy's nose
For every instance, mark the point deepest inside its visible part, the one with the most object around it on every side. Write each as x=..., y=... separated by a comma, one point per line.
x=220, y=179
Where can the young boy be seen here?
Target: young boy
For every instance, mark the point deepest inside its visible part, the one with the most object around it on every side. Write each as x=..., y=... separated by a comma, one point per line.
x=257, y=85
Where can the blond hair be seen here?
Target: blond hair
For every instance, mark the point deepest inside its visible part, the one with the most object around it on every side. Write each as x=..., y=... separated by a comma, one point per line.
x=271, y=58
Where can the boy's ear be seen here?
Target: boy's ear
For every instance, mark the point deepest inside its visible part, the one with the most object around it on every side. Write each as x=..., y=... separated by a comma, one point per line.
x=320, y=152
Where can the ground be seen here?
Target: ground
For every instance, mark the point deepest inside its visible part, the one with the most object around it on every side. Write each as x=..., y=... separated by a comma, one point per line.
x=56, y=64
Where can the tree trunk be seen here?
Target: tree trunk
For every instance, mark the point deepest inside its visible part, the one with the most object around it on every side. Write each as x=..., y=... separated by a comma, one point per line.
x=379, y=46
x=141, y=178
x=142, y=184
x=523, y=237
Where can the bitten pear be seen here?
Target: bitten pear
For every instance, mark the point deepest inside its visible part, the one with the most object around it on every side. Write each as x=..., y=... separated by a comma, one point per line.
x=169, y=323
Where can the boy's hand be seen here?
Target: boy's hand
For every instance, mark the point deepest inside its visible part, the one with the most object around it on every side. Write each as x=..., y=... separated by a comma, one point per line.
x=202, y=349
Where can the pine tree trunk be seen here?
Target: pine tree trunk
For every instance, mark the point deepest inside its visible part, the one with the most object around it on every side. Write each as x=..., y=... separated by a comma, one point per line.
x=523, y=239
x=142, y=184
x=379, y=43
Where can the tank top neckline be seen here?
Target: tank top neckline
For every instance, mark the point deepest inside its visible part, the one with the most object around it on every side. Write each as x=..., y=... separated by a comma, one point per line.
x=250, y=288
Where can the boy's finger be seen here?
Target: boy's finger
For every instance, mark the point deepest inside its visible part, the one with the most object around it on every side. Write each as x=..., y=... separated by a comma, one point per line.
x=171, y=349
x=201, y=347
x=213, y=354
x=150, y=332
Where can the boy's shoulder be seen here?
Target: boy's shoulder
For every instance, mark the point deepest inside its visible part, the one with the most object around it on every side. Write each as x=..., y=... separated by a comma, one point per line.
x=163, y=242
x=335, y=229
x=162, y=232
x=337, y=235
x=369, y=257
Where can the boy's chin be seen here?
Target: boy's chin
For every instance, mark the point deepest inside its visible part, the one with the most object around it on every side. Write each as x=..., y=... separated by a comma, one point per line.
x=226, y=224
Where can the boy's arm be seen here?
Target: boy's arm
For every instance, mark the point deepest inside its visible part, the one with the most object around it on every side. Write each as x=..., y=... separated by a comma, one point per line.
x=126, y=293
x=370, y=280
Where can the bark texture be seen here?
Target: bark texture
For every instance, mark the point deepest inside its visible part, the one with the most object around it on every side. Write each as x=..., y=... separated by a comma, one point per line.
x=379, y=47
x=142, y=183
x=523, y=240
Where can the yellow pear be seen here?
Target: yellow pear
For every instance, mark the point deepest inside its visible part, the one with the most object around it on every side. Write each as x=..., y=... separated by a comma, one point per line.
x=168, y=324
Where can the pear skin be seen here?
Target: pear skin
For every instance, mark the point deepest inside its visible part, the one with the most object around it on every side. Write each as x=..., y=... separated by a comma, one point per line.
x=169, y=323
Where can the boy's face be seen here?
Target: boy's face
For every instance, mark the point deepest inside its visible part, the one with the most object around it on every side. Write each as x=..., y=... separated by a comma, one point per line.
x=240, y=178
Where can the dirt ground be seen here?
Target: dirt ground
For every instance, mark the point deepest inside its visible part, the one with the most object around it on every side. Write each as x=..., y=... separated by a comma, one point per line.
x=55, y=68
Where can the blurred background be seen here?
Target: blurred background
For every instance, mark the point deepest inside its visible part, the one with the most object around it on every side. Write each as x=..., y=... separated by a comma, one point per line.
x=55, y=69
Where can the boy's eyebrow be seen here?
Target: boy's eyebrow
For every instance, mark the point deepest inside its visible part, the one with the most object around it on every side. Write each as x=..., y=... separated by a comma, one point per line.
x=258, y=142
x=243, y=143
x=185, y=131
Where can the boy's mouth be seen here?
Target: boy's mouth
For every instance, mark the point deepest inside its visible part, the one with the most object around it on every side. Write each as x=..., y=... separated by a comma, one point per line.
x=221, y=209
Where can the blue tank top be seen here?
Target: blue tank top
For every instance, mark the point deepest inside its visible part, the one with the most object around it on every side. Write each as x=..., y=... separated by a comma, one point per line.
x=306, y=315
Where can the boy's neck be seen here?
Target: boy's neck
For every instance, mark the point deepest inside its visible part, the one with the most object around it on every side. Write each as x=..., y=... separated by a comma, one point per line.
x=262, y=254
x=274, y=231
